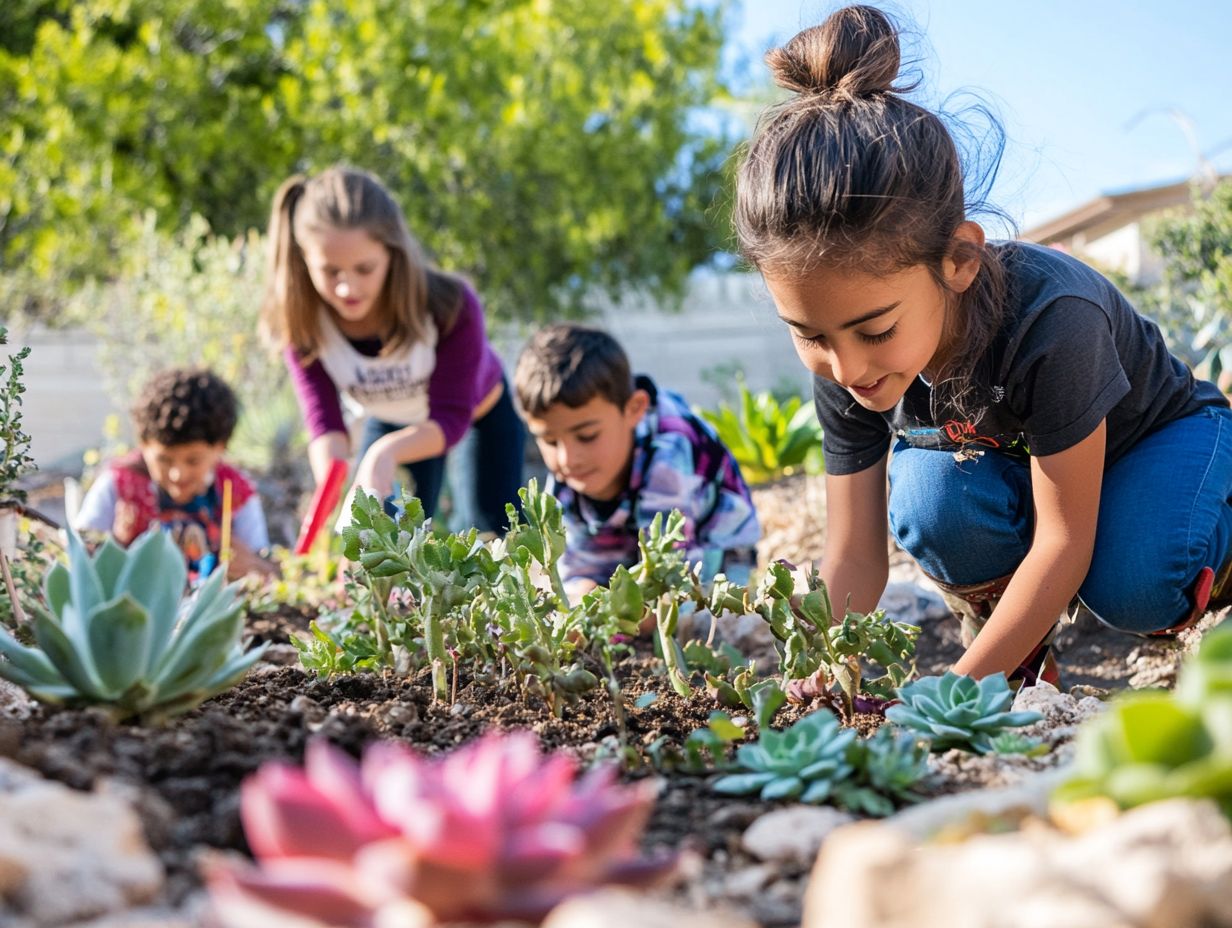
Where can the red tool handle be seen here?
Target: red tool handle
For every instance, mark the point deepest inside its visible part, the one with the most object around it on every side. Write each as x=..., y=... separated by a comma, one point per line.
x=323, y=502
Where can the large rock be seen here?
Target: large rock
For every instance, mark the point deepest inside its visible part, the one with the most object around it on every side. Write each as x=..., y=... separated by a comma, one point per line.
x=793, y=834
x=1165, y=865
x=67, y=856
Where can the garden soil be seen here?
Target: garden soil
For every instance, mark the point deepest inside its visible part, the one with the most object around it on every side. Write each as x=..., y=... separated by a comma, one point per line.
x=184, y=776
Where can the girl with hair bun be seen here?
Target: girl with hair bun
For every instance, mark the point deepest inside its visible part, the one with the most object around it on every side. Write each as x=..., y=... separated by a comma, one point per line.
x=362, y=316
x=1041, y=443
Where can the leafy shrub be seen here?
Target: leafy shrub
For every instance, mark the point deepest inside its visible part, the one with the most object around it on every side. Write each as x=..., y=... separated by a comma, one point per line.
x=955, y=711
x=117, y=635
x=15, y=462
x=769, y=439
x=492, y=830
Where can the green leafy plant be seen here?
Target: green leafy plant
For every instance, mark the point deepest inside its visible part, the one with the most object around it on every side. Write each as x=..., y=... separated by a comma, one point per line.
x=1207, y=674
x=117, y=635
x=705, y=749
x=497, y=608
x=15, y=460
x=955, y=711
x=1150, y=746
x=832, y=660
x=768, y=439
x=25, y=561
x=467, y=602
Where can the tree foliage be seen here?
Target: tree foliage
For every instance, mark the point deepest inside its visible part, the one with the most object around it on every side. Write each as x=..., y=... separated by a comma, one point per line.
x=1197, y=247
x=546, y=147
x=1193, y=301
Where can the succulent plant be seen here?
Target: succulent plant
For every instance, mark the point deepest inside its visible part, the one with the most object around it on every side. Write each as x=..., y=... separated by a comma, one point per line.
x=887, y=768
x=954, y=711
x=805, y=761
x=489, y=831
x=119, y=635
x=1151, y=746
x=1208, y=673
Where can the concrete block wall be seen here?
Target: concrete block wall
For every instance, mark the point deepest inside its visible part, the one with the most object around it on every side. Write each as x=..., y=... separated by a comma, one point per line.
x=65, y=404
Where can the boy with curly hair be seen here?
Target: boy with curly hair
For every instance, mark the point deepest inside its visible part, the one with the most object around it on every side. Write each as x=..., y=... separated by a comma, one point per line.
x=183, y=419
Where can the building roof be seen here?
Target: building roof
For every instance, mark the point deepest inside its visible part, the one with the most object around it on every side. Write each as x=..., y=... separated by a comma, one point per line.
x=1109, y=212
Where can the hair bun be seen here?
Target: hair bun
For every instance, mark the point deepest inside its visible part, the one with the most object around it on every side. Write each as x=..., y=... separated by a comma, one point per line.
x=853, y=53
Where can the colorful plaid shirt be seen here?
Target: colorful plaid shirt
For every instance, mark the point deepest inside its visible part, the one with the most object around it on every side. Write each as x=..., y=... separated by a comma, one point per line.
x=678, y=463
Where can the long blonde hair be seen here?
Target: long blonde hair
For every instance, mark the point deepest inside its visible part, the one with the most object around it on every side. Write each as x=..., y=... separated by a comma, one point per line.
x=346, y=198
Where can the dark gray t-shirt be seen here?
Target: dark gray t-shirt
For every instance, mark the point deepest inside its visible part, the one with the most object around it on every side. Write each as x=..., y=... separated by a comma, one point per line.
x=1073, y=351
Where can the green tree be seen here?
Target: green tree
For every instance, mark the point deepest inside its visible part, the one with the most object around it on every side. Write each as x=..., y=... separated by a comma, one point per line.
x=117, y=107
x=549, y=148
x=1197, y=247
x=1193, y=301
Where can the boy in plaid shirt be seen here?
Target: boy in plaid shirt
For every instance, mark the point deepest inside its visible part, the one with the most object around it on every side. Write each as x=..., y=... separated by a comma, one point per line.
x=620, y=450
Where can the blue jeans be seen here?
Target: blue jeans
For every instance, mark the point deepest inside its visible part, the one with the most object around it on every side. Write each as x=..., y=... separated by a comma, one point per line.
x=498, y=447
x=1164, y=514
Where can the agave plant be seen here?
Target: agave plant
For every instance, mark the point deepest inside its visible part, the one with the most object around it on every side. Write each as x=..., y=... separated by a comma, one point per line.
x=490, y=831
x=118, y=635
x=954, y=711
x=806, y=761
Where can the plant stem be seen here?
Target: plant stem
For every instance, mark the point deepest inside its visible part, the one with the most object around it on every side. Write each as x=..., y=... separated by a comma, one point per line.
x=434, y=642
x=666, y=615
x=19, y=614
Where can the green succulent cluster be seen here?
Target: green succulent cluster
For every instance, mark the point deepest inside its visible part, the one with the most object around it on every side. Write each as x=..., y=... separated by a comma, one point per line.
x=1153, y=745
x=118, y=634
x=817, y=760
x=886, y=769
x=954, y=711
x=806, y=761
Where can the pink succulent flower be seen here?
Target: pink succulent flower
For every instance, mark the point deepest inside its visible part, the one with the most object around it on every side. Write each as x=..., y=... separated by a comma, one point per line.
x=492, y=830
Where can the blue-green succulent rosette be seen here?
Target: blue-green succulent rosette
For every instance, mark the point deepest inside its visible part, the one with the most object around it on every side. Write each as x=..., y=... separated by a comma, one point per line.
x=954, y=711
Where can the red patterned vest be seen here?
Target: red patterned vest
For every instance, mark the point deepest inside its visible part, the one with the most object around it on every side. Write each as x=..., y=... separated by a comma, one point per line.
x=137, y=497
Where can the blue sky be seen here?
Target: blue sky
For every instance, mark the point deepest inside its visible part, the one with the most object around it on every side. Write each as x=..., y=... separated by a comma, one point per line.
x=1066, y=77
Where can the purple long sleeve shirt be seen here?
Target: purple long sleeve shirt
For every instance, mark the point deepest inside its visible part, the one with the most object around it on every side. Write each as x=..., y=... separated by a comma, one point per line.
x=466, y=370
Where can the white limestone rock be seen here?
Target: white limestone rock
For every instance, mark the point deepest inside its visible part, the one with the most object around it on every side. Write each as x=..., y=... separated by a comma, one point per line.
x=793, y=834
x=68, y=856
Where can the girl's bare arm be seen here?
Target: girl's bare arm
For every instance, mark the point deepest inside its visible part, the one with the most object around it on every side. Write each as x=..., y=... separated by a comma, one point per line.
x=856, y=559
x=1065, y=489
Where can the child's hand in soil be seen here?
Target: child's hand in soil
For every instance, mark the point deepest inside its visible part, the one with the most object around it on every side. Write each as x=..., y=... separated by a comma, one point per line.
x=245, y=561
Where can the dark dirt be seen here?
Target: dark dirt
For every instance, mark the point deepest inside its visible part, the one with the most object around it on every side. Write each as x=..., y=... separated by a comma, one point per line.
x=185, y=776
